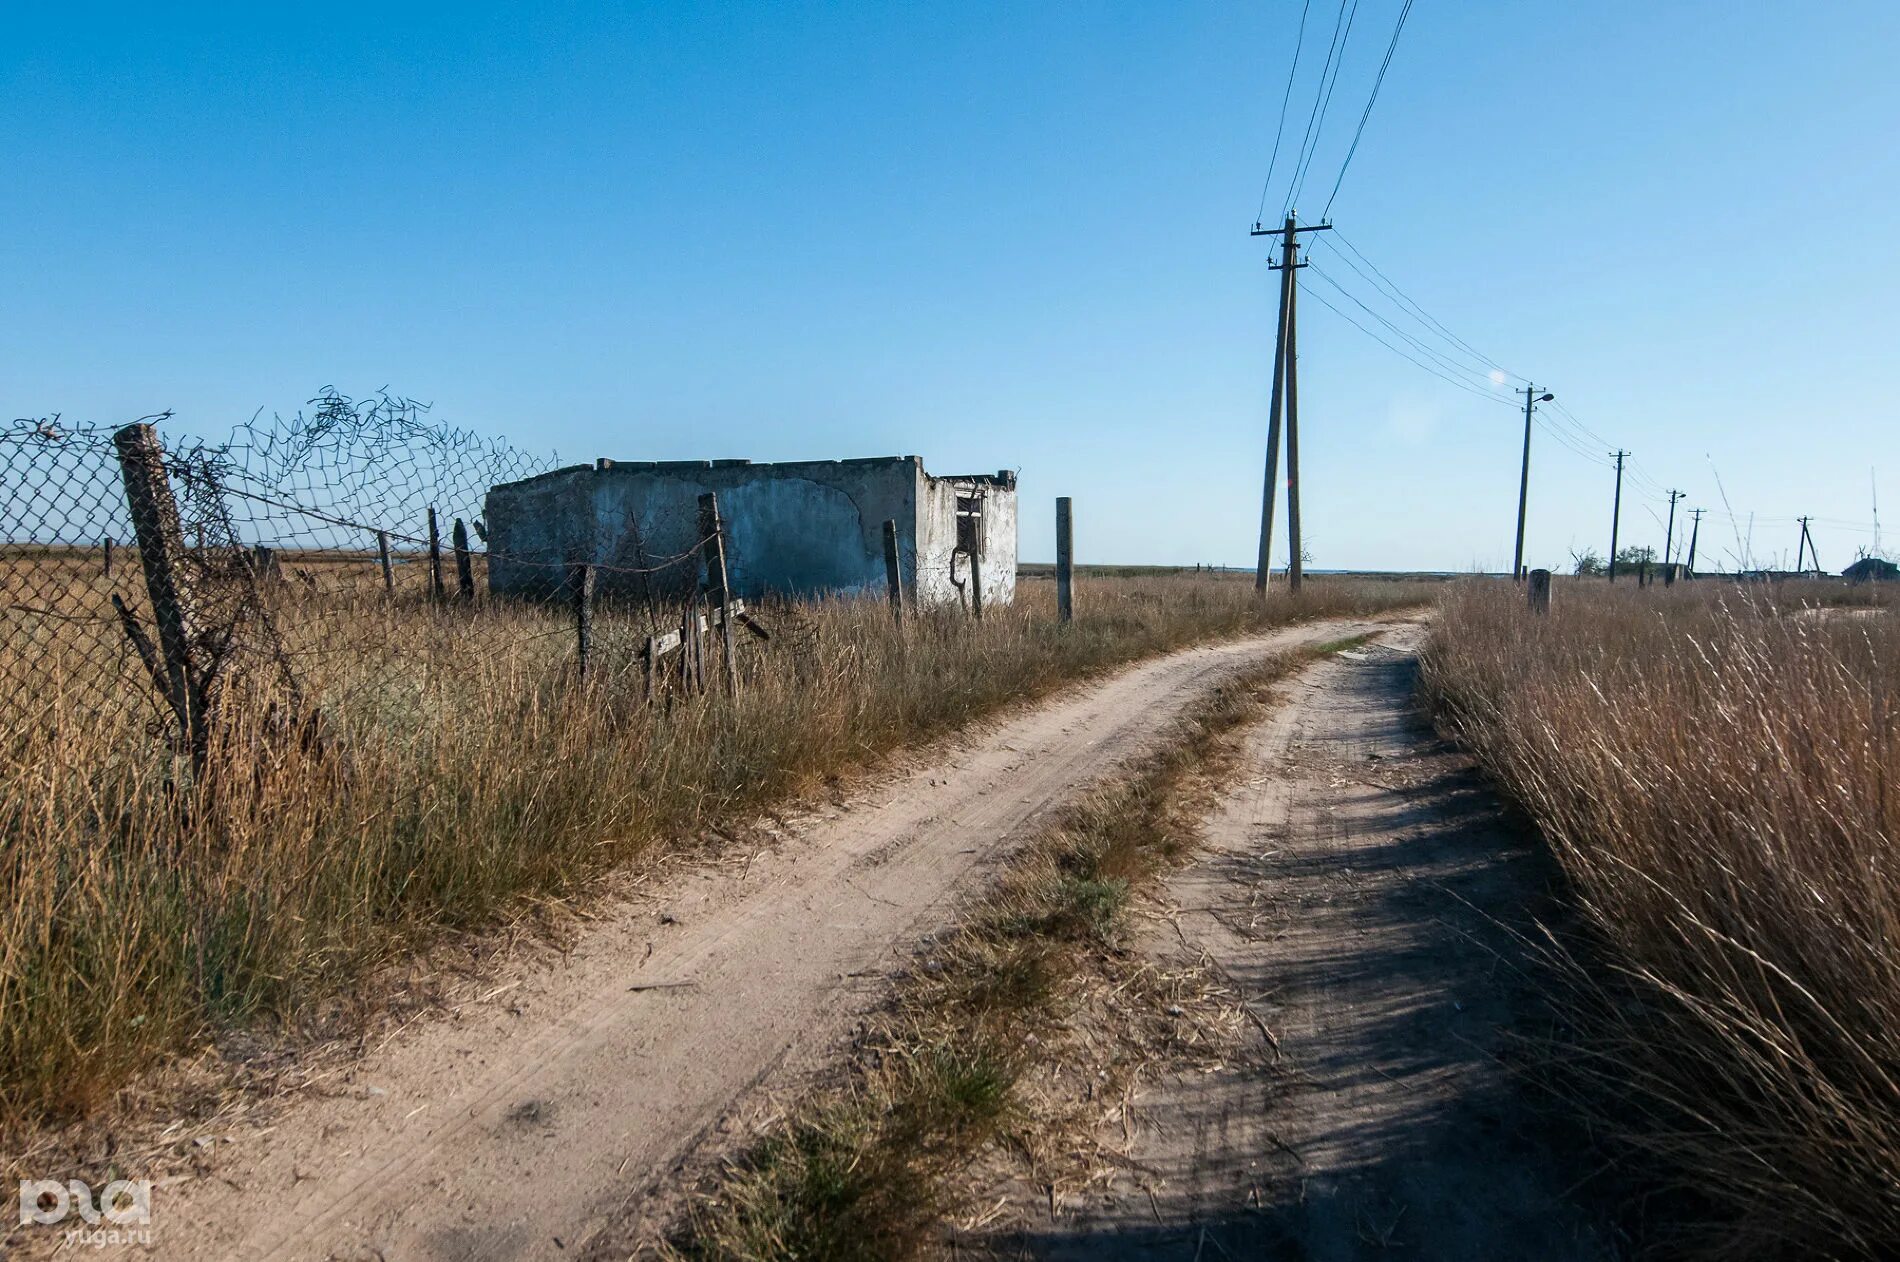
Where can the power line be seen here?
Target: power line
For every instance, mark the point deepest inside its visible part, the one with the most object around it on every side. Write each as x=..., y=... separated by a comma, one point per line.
x=1372, y=100
x=1322, y=98
x=1423, y=349
x=1386, y=285
x=1442, y=376
x=1299, y=42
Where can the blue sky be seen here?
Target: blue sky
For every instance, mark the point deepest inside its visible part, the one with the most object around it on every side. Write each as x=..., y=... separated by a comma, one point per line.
x=993, y=235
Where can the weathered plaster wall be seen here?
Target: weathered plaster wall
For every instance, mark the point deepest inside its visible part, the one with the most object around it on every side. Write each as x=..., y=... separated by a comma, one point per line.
x=935, y=578
x=800, y=528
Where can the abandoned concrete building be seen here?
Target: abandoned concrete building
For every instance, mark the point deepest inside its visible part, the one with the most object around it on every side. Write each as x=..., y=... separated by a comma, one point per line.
x=794, y=529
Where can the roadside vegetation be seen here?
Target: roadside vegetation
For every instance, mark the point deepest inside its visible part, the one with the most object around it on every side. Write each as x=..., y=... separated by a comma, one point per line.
x=462, y=773
x=1717, y=769
x=865, y=1168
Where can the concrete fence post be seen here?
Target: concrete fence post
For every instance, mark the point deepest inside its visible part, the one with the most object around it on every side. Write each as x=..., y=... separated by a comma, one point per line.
x=1065, y=559
x=1539, y=588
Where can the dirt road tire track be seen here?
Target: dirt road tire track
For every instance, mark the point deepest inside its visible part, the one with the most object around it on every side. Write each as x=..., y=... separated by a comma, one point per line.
x=523, y=1127
x=1357, y=891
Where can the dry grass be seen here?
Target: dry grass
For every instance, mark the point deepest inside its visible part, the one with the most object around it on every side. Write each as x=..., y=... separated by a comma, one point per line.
x=1718, y=770
x=866, y=1168
x=466, y=771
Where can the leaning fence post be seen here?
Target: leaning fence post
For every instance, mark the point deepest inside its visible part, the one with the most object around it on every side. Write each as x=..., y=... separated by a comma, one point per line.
x=893, y=573
x=713, y=531
x=382, y=556
x=1065, y=559
x=435, y=558
x=464, y=568
x=580, y=581
x=148, y=494
x=1539, y=588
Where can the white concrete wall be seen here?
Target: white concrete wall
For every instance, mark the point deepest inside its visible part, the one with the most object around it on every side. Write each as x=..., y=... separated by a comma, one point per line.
x=933, y=578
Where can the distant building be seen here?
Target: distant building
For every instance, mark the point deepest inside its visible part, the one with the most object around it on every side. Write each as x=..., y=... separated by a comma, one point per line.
x=802, y=528
x=1872, y=570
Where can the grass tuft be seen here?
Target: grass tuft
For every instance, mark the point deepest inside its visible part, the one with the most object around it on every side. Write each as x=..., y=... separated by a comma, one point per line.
x=1718, y=772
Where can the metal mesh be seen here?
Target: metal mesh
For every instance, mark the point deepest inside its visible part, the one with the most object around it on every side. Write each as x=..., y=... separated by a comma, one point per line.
x=328, y=567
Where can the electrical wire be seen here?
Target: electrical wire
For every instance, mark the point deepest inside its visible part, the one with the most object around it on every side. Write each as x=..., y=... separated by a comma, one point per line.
x=1322, y=97
x=1385, y=285
x=1423, y=349
x=1371, y=101
x=1299, y=42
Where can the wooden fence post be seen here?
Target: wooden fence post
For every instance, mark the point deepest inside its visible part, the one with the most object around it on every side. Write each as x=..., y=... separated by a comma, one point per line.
x=580, y=581
x=1539, y=588
x=692, y=644
x=148, y=494
x=1065, y=559
x=713, y=531
x=464, y=568
x=893, y=573
x=382, y=555
x=108, y=552
x=976, y=586
x=435, y=558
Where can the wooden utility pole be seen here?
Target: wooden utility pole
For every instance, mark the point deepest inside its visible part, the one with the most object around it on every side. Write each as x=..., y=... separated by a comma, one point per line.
x=893, y=572
x=1805, y=548
x=1282, y=361
x=1531, y=400
x=1695, y=532
x=1616, y=512
x=1065, y=559
x=1669, y=533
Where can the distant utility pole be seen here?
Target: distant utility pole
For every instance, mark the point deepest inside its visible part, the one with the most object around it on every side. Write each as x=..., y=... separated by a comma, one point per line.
x=1669, y=535
x=1285, y=392
x=1616, y=511
x=1805, y=549
x=1531, y=400
x=1695, y=532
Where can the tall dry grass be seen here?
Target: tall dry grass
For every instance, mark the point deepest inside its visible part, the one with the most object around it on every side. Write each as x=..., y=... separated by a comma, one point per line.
x=1718, y=771
x=464, y=770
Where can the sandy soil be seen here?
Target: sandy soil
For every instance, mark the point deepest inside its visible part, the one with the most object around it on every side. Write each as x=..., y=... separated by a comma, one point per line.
x=523, y=1126
x=1355, y=896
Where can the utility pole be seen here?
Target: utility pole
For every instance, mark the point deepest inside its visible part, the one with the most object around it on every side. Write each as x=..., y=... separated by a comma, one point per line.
x=1283, y=388
x=1805, y=548
x=1531, y=400
x=1616, y=511
x=1295, y=566
x=1669, y=535
x=1695, y=532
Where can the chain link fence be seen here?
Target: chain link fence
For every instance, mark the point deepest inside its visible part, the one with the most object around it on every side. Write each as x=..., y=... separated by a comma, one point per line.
x=304, y=577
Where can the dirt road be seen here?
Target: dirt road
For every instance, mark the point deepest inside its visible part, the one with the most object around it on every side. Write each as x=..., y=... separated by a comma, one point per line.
x=1354, y=896
x=524, y=1126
